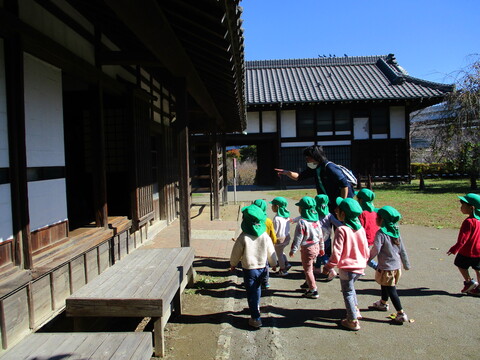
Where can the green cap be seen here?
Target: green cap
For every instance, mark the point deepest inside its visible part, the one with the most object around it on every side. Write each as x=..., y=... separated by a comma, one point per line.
x=352, y=210
x=282, y=204
x=253, y=222
x=262, y=204
x=473, y=200
x=322, y=204
x=390, y=217
x=367, y=196
x=308, y=208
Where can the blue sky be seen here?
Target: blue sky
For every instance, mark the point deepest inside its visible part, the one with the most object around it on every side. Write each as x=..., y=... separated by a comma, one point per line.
x=432, y=40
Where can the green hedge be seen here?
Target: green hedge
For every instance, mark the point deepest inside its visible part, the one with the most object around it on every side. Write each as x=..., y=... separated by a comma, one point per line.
x=433, y=168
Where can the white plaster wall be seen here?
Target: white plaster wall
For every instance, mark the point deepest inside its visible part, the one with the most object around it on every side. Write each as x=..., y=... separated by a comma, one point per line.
x=44, y=141
x=34, y=15
x=288, y=123
x=4, y=161
x=360, y=128
x=397, y=122
x=298, y=144
x=43, y=114
x=269, y=121
x=335, y=143
x=46, y=202
x=6, y=227
x=253, y=122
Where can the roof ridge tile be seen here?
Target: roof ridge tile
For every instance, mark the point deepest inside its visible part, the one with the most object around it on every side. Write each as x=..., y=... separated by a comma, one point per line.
x=282, y=63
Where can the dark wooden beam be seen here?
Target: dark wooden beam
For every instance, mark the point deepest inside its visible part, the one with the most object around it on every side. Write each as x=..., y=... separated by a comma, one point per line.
x=100, y=167
x=148, y=23
x=99, y=181
x=127, y=58
x=214, y=173
x=225, y=172
x=182, y=123
x=14, y=76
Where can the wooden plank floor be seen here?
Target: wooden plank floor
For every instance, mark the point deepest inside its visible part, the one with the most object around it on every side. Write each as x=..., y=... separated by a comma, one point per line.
x=139, y=285
x=80, y=346
x=144, y=284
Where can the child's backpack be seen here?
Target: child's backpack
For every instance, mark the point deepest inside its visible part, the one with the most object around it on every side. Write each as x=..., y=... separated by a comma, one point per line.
x=348, y=173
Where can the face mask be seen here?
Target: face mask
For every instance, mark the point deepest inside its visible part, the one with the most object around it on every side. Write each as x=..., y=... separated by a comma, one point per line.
x=312, y=165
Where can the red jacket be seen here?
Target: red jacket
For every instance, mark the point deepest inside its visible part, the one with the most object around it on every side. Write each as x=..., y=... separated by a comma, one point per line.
x=368, y=219
x=468, y=242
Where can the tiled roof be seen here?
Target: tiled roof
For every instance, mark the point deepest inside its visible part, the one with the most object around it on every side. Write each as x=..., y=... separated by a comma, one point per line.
x=358, y=78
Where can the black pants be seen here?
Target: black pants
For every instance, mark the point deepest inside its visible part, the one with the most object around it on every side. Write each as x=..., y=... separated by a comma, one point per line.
x=391, y=292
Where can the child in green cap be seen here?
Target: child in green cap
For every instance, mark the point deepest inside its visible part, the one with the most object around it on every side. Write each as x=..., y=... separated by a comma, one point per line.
x=349, y=254
x=327, y=222
x=368, y=218
x=252, y=247
x=388, y=247
x=467, y=247
x=262, y=204
x=281, y=224
x=309, y=238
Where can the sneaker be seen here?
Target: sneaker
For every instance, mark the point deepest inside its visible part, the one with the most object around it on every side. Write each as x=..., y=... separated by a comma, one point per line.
x=475, y=291
x=304, y=285
x=288, y=267
x=351, y=324
x=401, y=318
x=378, y=305
x=266, y=286
x=469, y=285
x=256, y=323
x=332, y=274
x=311, y=294
x=283, y=273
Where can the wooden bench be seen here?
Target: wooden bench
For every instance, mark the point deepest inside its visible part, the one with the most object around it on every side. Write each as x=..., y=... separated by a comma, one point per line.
x=95, y=346
x=147, y=283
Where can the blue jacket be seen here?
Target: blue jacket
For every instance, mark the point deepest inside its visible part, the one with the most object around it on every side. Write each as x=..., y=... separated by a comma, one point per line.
x=332, y=179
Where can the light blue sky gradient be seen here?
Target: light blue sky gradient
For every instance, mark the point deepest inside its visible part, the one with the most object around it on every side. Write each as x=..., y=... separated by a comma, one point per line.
x=432, y=40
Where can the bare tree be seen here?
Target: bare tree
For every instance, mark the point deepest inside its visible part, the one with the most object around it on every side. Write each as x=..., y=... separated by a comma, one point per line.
x=458, y=137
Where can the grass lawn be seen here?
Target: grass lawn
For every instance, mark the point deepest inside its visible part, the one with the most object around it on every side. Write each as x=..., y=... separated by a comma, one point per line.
x=436, y=206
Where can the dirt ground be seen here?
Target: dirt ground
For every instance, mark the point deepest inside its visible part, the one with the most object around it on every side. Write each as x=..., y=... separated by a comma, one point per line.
x=195, y=334
x=445, y=323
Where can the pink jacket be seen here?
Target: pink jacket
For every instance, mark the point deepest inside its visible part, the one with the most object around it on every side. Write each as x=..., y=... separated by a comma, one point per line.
x=350, y=250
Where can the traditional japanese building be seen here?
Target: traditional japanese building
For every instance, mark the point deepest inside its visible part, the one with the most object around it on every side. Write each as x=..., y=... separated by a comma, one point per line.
x=357, y=108
x=99, y=101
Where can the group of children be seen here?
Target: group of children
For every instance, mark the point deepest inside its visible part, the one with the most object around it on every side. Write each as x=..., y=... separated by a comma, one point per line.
x=361, y=234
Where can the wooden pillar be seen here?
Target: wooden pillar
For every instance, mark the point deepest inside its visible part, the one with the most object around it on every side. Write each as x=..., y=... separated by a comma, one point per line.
x=225, y=171
x=214, y=178
x=184, y=162
x=14, y=76
x=99, y=166
x=99, y=170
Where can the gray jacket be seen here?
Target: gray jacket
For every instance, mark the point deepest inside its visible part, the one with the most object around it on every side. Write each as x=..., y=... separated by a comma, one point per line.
x=390, y=256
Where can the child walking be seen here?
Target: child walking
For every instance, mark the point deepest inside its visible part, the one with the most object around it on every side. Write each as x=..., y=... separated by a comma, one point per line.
x=390, y=250
x=281, y=224
x=327, y=221
x=262, y=204
x=467, y=247
x=368, y=218
x=308, y=236
x=349, y=254
x=252, y=247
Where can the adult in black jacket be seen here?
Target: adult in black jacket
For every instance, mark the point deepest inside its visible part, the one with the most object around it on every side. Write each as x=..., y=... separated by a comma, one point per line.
x=329, y=179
